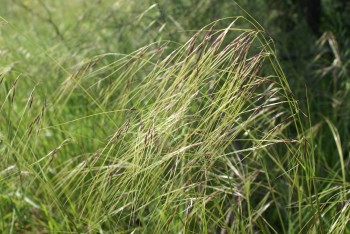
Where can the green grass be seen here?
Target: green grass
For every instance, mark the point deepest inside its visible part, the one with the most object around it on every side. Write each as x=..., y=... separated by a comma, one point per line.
x=105, y=127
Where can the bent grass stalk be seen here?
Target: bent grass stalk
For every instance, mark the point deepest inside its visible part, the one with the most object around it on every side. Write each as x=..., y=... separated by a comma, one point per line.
x=172, y=172
x=202, y=138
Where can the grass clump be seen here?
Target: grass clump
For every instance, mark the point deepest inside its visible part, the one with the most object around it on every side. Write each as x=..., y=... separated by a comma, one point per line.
x=203, y=136
x=193, y=137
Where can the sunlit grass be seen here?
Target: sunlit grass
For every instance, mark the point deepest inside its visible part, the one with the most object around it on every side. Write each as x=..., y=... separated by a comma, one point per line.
x=204, y=136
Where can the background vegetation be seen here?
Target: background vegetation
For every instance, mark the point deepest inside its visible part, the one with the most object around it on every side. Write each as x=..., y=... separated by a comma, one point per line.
x=174, y=116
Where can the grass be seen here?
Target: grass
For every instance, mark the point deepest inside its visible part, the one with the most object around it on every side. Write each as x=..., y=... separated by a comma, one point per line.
x=201, y=136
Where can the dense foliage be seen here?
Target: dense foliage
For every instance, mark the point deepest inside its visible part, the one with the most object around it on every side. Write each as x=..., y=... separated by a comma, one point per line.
x=159, y=116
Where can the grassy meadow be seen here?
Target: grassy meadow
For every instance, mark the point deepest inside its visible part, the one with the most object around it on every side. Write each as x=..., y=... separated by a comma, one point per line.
x=173, y=117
